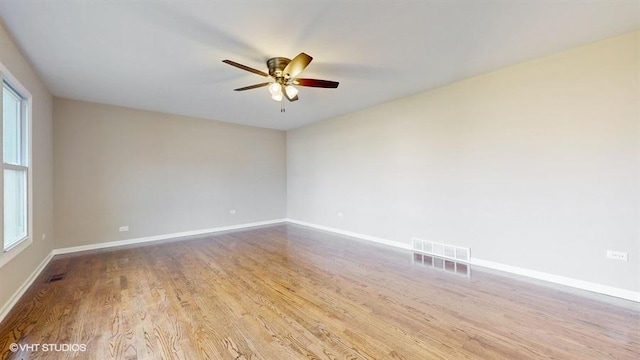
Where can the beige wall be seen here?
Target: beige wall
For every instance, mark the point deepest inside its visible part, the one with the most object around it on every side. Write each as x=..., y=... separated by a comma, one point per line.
x=534, y=166
x=14, y=273
x=159, y=174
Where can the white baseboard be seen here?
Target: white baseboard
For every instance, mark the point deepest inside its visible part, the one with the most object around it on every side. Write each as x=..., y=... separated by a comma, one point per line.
x=562, y=280
x=574, y=283
x=146, y=239
x=396, y=244
x=13, y=300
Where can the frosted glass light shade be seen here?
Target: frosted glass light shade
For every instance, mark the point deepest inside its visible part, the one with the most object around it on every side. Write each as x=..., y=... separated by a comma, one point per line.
x=275, y=88
x=291, y=91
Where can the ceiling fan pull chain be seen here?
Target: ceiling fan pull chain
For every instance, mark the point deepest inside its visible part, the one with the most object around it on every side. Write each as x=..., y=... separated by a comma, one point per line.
x=282, y=109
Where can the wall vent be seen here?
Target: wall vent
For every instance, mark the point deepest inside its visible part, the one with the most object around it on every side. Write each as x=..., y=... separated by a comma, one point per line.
x=456, y=253
x=447, y=265
x=450, y=258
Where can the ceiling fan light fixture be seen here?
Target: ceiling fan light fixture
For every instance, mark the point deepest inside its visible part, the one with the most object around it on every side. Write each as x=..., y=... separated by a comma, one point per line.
x=283, y=78
x=291, y=91
x=275, y=89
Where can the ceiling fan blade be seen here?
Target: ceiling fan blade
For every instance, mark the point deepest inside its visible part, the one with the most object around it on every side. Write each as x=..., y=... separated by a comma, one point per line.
x=316, y=83
x=246, y=68
x=252, y=86
x=296, y=65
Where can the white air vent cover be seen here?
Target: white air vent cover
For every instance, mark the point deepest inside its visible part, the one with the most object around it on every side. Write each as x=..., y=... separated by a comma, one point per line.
x=447, y=251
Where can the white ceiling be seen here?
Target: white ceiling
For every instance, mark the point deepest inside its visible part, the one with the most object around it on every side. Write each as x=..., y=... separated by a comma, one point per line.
x=166, y=55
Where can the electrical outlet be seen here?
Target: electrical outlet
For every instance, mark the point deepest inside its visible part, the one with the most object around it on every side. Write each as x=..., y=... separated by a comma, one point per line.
x=44, y=236
x=617, y=255
x=340, y=215
x=123, y=228
x=232, y=211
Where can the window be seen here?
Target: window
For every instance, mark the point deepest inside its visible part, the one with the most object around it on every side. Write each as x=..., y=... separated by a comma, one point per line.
x=16, y=171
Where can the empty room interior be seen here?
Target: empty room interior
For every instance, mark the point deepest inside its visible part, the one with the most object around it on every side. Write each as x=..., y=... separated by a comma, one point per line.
x=320, y=179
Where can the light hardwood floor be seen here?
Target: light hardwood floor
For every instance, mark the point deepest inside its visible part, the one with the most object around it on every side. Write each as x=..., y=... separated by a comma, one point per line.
x=288, y=292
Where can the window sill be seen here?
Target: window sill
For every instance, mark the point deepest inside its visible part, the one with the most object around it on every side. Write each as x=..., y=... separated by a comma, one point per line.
x=8, y=255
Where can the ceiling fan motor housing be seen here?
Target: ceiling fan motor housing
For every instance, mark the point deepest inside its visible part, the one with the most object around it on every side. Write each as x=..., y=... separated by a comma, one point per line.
x=276, y=67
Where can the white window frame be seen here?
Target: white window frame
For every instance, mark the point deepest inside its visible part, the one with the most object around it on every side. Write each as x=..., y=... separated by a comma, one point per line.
x=27, y=109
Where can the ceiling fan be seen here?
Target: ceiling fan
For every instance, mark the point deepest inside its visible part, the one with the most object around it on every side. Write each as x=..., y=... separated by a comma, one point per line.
x=283, y=72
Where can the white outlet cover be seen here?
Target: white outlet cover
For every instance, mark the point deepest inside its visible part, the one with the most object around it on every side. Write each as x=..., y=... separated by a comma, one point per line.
x=232, y=211
x=617, y=255
x=123, y=228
